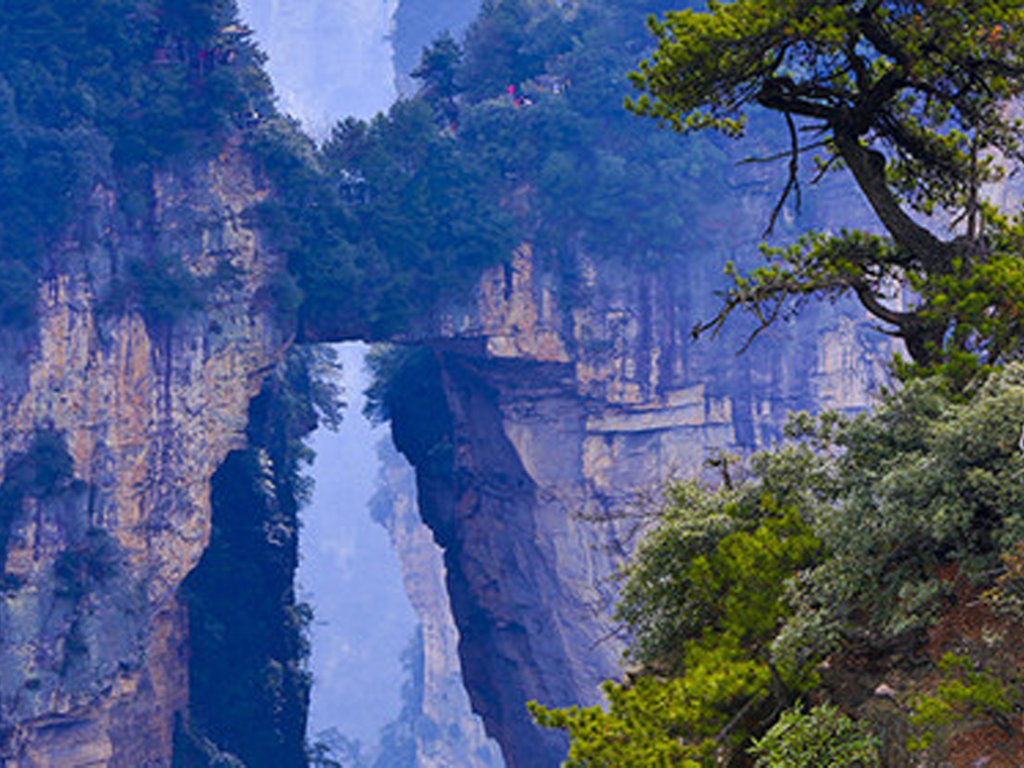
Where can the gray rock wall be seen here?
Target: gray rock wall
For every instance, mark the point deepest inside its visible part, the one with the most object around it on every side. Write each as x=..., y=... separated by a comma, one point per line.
x=447, y=733
x=93, y=666
x=560, y=409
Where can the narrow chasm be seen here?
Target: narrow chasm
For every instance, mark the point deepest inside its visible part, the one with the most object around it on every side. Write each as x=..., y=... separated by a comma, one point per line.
x=388, y=689
x=351, y=575
x=375, y=680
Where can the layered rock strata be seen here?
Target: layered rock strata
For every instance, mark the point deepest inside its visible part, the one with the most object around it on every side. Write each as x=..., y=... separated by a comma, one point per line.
x=93, y=659
x=549, y=413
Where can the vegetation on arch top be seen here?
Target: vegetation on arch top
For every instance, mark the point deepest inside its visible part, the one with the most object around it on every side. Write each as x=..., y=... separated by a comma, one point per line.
x=537, y=89
x=912, y=99
x=108, y=92
x=517, y=132
x=388, y=214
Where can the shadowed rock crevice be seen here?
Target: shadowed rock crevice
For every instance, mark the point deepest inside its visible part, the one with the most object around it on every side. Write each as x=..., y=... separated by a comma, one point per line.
x=249, y=685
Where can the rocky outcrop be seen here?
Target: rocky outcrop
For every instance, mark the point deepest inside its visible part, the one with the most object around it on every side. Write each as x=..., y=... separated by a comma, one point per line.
x=93, y=662
x=551, y=409
x=446, y=732
x=248, y=631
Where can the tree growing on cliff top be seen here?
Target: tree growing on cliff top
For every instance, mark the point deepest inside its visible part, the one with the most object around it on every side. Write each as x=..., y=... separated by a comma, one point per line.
x=911, y=97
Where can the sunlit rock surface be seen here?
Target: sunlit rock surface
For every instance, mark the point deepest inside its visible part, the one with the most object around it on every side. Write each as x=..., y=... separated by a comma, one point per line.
x=559, y=408
x=92, y=654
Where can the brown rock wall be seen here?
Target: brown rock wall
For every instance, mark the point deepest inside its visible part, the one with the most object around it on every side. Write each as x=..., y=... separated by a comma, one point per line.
x=564, y=404
x=93, y=674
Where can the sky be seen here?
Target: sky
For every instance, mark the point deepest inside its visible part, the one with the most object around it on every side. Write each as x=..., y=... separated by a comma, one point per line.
x=330, y=59
x=351, y=576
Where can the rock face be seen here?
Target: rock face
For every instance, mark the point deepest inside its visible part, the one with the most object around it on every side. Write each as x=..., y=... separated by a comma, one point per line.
x=93, y=661
x=550, y=411
x=446, y=732
x=550, y=403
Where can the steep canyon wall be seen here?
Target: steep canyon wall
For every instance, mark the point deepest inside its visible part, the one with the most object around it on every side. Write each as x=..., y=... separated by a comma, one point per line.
x=137, y=414
x=552, y=405
x=553, y=396
x=551, y=402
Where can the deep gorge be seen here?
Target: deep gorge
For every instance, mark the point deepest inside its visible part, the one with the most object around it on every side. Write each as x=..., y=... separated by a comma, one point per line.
x=559, y=384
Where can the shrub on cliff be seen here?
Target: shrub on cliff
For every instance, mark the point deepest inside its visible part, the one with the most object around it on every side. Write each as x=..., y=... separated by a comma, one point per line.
x=44, y=469
x=705, y=596
x=822, y=736
x=896, y=497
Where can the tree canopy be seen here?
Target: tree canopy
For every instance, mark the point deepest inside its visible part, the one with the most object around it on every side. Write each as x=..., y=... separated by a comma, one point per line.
x=105, y=92
x=839, y=539
x=913, y=99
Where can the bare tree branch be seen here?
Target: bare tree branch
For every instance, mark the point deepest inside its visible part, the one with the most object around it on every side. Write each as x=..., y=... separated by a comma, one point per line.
x=793, y=182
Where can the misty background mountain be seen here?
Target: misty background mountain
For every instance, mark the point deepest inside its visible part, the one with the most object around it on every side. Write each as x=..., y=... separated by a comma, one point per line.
x=329, y=61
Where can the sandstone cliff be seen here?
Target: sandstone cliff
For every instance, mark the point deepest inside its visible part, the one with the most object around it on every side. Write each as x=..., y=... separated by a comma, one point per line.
x=551, y=403
x=446, y=732
x=549, y=410
x=92, y=639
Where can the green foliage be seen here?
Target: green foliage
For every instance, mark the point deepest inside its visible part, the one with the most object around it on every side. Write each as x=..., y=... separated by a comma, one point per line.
x=415, y=25
x=925, y=480
x=165, y=290
x=102, y=92
x=641, y=728
x=737, y=594
x=437, y=70
x=823, y=736
x=713, y=568
x=704, y=597
x=922, y=77
x=390, y=213
x=510, y=42
x=595, y=179
x=1007, y=596
x=965, y=692
x=426, y=205
x=413, y=204
x=911, y=99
